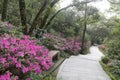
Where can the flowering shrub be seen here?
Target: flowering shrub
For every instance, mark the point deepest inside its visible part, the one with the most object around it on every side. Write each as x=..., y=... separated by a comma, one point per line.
x=20, y=57
x=72, y=46
x=53, y=42
x=65, y=44
x=8, y=28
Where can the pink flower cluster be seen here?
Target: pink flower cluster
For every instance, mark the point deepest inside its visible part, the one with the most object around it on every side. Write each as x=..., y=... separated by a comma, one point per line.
x=21, y=56
x=9, y=25
x=69, y=44
x=49, y=36
x=6, y=76
x=72, y=46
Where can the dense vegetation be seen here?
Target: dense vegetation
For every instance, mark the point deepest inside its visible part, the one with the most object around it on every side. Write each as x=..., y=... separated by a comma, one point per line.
x=112, y=51
x=112, y=43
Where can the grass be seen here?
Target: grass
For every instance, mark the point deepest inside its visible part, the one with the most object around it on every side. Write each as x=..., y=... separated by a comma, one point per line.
x=51, y=76
x=40, y=77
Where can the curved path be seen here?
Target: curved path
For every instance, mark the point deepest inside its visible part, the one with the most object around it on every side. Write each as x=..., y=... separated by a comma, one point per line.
x=83, y=67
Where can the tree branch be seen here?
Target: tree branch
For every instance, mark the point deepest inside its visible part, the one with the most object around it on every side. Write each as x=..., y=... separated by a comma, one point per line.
x=113, y=2
x=51, y=19
x=54, y=2
x=35, y=21
x=48, y=13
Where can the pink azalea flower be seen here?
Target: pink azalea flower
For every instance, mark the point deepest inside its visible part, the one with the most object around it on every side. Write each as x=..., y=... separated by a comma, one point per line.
x=28, y=79
x=14, y=60
x=6, y=76
x=38, y=70
x=13, y=52
x=25, y=70
x=8, y=25
x=18, y=65
x=3, y=60
x=16, y=78
x=21, y=54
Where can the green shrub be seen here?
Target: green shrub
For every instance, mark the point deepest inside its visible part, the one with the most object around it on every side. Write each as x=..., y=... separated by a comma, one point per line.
x=116, y=68
x=113, y=52
x=105, y=60
x=106, y=68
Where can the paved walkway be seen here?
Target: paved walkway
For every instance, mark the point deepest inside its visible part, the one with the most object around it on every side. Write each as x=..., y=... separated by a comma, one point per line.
x=83, y=67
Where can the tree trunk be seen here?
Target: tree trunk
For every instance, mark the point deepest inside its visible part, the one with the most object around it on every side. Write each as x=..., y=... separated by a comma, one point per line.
x=51, y=19
x=84, y=30
x=23, y=15
x=44, y=21
x=4, y=10
x=37, y=18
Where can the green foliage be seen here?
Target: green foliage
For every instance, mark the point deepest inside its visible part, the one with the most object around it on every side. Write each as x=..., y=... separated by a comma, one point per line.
x=71, y=21
x=116, y=68
x=1, y=5
x=115, y=6
x=105, y=60
x=98, y=34
x=65, y=23
x=40, y=77
x=113, y=51
x=106, y=68
x=13, y=12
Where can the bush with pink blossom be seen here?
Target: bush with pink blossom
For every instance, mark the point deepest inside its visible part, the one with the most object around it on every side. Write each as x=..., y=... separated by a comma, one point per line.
x=21, y=56
x=71, y=46
x=68, y=44
x=8, y=28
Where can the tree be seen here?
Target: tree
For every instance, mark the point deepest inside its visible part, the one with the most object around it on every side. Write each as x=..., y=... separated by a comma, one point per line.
x=23, y=15
x=115, y=6
x=1, y=6
x=37, y=18
x=34, y=14
x=98, y=33
x=84, y=30
x=114, y=1
x=4, y=9
x=90, y=16
x=34, y=24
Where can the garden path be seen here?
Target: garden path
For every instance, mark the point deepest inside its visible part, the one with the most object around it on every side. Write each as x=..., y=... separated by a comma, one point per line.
x=83, y=67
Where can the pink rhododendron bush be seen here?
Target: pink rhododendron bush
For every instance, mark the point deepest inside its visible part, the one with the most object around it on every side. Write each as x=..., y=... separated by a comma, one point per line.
x=21, y=56
x=68, y=44
x=6, y=27
x=71, y=45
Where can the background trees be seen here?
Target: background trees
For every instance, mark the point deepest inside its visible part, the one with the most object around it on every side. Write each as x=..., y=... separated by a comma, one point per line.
x=32, y=14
